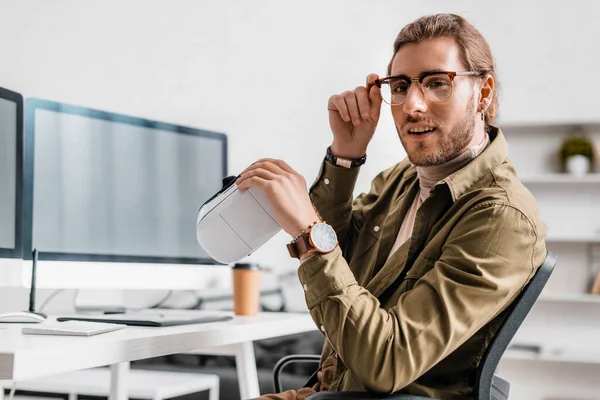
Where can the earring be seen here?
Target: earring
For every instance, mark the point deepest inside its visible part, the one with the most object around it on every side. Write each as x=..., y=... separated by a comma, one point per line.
x=482, y=115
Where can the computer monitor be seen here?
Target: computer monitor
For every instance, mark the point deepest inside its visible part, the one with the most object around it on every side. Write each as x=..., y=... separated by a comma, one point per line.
x=110, y=201
x=11, y=173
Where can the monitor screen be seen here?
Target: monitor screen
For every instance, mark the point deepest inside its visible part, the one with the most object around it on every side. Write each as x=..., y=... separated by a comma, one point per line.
x=108, y=187
x=10, y=172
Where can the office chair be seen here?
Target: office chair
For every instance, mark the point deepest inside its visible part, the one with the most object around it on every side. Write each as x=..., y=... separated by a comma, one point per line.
x=487, y=385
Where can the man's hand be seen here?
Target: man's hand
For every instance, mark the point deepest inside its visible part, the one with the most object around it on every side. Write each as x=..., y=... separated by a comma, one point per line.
x=353, y=117
x=286, y=191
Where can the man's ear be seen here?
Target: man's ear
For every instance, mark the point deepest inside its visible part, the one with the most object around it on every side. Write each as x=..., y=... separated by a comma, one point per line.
x=486, y=93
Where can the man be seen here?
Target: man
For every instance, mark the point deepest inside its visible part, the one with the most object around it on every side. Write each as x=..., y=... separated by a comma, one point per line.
x=430, y=258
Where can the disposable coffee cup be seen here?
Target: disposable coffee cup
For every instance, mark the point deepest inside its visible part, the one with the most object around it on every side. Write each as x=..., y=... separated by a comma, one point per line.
x=246, y=288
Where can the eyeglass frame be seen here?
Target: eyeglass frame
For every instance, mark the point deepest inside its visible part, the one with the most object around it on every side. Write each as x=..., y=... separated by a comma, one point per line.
x=421, y=78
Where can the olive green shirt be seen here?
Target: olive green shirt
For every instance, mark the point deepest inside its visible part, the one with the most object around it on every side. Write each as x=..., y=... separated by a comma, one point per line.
x=420, y=322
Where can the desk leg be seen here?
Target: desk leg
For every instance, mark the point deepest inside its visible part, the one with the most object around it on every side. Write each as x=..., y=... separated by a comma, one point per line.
x=118, y=381
x=246, y=371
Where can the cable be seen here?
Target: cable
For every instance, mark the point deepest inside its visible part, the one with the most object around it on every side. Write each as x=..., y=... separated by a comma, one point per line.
x=198, y=304
x=158, y=304
x=52, y=295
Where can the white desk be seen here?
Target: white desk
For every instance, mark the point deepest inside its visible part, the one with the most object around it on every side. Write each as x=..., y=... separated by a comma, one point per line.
x=29, y=356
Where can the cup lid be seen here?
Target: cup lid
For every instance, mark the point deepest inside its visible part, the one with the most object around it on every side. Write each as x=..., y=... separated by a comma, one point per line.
x=253, y=266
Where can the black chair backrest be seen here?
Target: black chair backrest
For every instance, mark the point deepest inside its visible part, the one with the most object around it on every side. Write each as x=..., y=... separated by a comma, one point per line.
x=516, y=313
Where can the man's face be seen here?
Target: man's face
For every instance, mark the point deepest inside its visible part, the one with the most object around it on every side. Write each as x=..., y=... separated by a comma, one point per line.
x=452, y=121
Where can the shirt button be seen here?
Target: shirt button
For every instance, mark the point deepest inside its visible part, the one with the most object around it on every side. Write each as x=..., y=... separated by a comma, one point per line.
x=322, y=328
x=376, y=228
x=326, y=181
x=305, y=287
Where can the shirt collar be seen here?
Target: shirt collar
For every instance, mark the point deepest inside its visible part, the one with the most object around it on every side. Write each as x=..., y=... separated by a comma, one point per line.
x=430, y=175
x=490, y=158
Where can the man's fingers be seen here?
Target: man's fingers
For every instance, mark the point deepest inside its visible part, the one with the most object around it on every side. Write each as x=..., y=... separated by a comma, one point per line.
x=279, y=163
x=254, y=165
x=368, y=97
x=375, y=97
x=257, y=167
x=254, y=181
x=284, y=166
x=371, y=78
x=352, y=104
x=273, y=166
x=337, y=103
x=364, y=105
x=248, y=168
x=247, y=179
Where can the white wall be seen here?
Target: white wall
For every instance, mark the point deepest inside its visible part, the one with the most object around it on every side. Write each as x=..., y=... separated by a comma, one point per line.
x=262, y=71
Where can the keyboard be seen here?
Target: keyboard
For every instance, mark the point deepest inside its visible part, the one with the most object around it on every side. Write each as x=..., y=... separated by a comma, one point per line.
x=154, y=318
x=71, y=328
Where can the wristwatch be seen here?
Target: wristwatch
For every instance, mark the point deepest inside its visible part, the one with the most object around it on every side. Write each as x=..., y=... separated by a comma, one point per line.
x=318, y=238
x=344, y=162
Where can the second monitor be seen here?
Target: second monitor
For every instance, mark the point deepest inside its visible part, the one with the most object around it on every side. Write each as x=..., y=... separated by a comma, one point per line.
x=11, y=139
x=109, y=191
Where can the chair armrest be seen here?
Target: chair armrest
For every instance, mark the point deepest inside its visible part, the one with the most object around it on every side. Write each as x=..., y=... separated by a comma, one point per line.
x=363, y=396
x=294, y=358
x=311, y=358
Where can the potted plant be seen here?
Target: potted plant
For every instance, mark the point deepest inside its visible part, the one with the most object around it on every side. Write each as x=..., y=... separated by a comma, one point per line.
x=577, y=154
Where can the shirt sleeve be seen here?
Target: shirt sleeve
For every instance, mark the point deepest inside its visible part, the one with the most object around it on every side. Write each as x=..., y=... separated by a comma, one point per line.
x=489, y=256
x=332, y=196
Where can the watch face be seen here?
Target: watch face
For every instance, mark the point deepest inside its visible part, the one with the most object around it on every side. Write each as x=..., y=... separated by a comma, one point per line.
x=323, y=237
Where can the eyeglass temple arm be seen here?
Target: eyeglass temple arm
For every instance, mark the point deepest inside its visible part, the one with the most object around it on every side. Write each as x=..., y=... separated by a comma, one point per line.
x=468, y=73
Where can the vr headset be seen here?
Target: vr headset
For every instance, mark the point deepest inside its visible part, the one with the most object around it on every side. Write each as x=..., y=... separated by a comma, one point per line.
x=232, y=224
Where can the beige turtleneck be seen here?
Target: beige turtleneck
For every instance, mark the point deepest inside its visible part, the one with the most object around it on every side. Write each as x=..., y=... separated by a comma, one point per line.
x=429, y=176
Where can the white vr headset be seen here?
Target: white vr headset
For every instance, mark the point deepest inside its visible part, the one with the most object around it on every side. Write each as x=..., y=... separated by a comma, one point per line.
x=233, y=224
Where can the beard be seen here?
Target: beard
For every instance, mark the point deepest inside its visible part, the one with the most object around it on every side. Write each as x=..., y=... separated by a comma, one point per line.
x=450, y=144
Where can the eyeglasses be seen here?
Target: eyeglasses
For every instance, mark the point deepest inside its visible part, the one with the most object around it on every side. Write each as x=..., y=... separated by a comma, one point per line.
x=435, y=86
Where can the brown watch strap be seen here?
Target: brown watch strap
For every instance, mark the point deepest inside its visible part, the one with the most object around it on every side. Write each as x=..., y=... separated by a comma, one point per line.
x=300, y=246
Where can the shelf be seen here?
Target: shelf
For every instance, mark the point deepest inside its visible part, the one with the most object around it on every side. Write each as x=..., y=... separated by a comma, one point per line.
x=570, y=298
x=573, y=238
x=560, y=178
x=570, y=356
x=560, y=123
